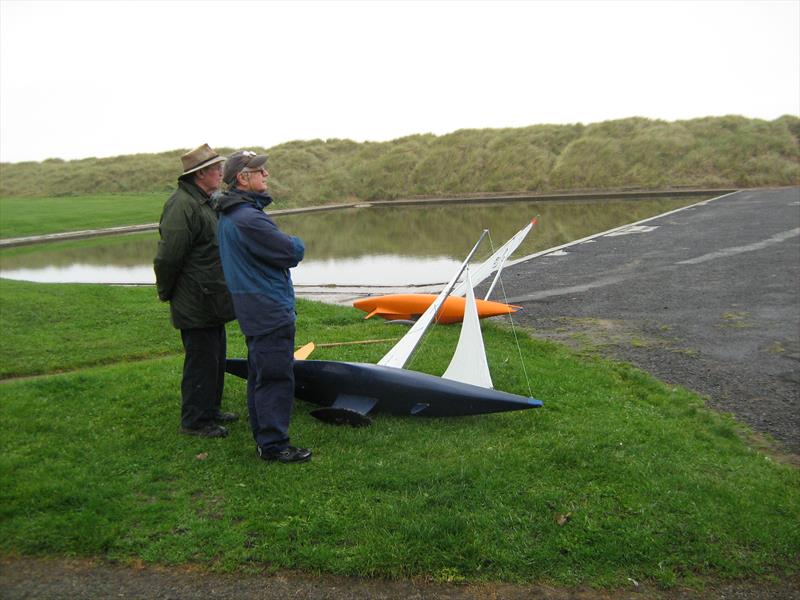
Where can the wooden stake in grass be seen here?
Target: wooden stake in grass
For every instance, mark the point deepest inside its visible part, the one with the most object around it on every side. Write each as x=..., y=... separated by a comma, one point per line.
x=305, y=351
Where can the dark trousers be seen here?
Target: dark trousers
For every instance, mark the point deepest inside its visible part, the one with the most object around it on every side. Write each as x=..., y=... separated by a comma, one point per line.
x=203, y=375
x=270, y=386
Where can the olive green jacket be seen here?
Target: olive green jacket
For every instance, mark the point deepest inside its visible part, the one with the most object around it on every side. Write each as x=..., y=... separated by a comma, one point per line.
x=187, y=264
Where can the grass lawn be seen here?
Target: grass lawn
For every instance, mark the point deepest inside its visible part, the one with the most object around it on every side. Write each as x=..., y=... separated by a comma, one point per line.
x=37, y=216
x=618, y=476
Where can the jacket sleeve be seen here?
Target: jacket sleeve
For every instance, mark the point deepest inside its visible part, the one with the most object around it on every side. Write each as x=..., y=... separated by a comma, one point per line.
x=173, y=248
x=269, y=244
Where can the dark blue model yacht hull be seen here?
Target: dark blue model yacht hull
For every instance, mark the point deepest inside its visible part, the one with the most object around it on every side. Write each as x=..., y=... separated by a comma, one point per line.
x=348, y=391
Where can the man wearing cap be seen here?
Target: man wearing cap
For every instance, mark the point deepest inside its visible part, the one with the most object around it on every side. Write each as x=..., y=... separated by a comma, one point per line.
x=189, y=276
x=256, y=258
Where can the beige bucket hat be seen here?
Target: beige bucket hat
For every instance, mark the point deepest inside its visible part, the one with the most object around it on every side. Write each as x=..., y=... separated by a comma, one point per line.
x=199, y=158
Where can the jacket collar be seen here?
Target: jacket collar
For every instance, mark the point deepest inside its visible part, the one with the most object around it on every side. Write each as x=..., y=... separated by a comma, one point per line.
x=237, y=196
x=193, y=190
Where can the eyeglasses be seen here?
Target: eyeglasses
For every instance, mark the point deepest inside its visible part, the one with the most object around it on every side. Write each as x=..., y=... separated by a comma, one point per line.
x=215, y=168
x=263, y=172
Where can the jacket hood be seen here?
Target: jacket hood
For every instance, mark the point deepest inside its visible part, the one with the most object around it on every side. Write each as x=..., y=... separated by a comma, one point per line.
x=235, y=196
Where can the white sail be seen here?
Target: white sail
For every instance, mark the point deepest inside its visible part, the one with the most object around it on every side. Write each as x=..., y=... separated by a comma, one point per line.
x=495, y=262
x=469, y=360
x=401, y=352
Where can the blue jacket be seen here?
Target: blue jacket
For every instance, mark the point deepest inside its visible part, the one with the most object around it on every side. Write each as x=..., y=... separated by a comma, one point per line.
x=256, y=258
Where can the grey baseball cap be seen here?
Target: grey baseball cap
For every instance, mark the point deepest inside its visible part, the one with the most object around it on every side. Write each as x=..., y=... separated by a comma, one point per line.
x=238, y=161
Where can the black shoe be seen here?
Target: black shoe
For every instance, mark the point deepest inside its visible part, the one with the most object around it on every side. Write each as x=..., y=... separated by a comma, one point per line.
x=212, y=430
x=225, y=417
x=289, y=454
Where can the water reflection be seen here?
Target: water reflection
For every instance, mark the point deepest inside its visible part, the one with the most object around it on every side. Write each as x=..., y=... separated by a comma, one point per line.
x=83, y=273
x=372, y=246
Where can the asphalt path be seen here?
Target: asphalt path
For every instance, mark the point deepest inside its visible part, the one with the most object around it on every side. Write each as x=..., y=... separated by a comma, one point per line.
x=707, y=297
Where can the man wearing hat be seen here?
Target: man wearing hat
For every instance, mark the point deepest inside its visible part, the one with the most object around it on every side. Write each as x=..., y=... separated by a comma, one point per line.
x=256, y=258
x=189, y=276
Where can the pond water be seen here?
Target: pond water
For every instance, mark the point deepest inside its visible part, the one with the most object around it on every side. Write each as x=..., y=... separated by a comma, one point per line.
x=374, y=246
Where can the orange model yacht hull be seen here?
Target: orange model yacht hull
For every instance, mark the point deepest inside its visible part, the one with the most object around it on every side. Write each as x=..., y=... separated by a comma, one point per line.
x=410, y=306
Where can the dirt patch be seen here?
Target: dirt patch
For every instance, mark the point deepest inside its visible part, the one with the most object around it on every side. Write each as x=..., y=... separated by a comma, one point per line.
x=25, y=577
x=607, y=336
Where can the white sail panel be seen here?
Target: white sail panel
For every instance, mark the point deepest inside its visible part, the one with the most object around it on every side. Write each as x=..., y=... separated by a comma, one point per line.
x=469, y=363
x=401, y=352
x=496, y=261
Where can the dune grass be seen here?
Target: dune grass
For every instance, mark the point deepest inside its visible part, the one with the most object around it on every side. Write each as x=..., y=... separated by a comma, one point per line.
x=618, y=476
x=710, y=152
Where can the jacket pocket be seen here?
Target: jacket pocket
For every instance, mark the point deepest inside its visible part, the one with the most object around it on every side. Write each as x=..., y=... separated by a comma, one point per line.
x=217, y=298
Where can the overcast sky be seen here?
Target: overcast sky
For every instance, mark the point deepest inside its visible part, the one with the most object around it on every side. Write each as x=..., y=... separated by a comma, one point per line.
x=80, y=79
